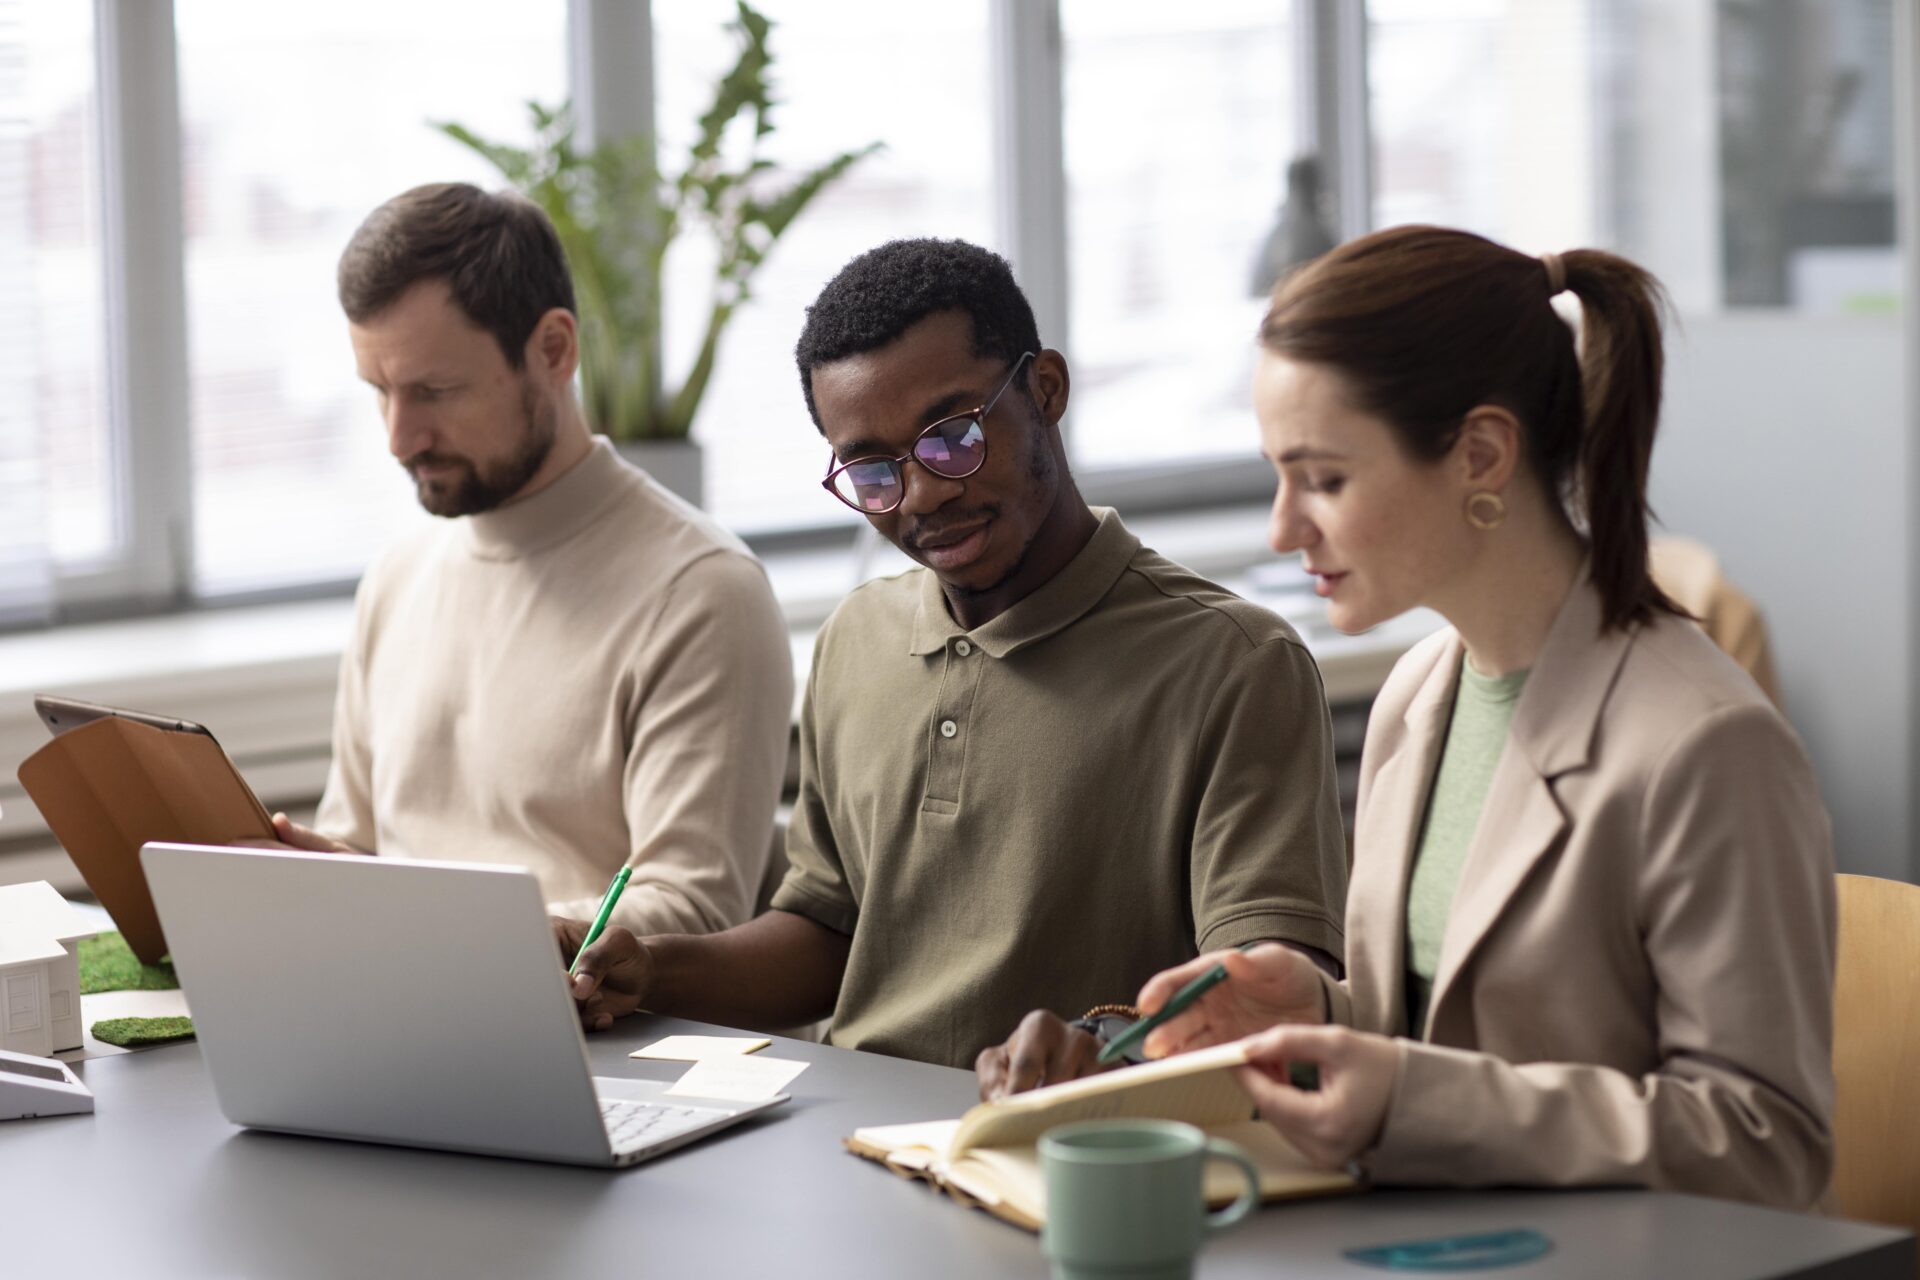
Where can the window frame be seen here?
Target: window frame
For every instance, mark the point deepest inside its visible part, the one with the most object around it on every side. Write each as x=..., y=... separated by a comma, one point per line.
x=149, y=427
x=610, y=67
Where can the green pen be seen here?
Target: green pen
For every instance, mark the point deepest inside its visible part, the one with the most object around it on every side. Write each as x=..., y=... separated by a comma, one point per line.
x=599, y=925
x=1174, y=1007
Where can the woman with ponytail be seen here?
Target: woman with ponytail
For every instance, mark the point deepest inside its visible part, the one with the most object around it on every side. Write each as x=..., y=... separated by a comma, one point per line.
x=1590, y=929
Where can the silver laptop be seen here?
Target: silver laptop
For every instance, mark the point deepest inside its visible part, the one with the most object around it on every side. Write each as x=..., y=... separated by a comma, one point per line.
x=422, y=1004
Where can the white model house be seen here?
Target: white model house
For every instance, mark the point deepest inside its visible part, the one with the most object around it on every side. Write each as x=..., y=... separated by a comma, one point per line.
x=39, y=930
x=26, y=1025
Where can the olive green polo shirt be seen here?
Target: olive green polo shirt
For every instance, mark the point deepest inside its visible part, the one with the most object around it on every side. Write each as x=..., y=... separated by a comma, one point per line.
x=1128, y=767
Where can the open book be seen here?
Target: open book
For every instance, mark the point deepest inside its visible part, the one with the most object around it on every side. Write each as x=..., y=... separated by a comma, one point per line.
x=988, y=1157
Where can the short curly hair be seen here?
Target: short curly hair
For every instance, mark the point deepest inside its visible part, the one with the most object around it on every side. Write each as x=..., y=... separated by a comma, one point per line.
x=886, y=291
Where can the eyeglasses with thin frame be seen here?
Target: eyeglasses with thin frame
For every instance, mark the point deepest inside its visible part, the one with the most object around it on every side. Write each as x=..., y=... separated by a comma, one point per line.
x=954, y=447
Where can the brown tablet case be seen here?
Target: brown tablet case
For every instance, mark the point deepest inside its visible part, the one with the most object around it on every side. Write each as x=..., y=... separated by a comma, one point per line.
x=110, y=786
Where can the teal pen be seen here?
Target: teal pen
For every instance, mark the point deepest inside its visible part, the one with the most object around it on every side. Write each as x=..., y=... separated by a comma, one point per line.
x=1173, y=1009
x=599, y=925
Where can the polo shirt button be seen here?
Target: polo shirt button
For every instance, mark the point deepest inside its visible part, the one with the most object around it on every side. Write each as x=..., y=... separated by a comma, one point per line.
x=948, y=728
x=962, y=648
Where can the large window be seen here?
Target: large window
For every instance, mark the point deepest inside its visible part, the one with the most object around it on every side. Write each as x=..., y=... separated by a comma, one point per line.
x=1482, y=117
x=296, y=121
x=1171, y=194
x=912, y=77
x=1806, y=164
x=57, y=469
x=1741, y=149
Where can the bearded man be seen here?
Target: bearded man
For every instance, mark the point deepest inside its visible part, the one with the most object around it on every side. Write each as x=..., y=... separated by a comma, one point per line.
x=572, y=670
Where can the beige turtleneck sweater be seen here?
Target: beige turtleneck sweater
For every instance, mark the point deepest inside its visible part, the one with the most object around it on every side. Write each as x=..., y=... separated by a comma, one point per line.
x=593, y=675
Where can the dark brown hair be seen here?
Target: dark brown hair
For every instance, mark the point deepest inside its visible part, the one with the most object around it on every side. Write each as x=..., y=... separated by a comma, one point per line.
x=497, y=252
x=1427, y=323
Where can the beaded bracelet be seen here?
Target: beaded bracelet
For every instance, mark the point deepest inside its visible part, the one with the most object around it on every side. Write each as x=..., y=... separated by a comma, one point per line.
x=1116, y=1010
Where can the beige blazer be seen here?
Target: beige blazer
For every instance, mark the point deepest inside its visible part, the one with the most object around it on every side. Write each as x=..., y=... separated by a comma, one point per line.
x=1636, y=981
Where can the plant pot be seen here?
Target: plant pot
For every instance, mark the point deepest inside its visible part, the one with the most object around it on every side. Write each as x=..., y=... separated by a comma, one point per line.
x=678, y=466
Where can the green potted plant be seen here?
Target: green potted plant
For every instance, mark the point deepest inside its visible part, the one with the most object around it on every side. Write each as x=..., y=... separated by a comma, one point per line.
x=617, y=213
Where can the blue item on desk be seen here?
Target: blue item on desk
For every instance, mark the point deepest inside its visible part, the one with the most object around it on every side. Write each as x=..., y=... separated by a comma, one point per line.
x=1457, y=1253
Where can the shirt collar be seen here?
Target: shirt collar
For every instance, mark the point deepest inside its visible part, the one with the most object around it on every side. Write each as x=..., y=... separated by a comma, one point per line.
x=562, y=509
x=1055, y=605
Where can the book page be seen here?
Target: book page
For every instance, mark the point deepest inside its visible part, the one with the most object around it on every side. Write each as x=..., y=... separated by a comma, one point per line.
x=988, y=1158
x=1198, y=1088
x=1284, y=1172
x=1006, y=1180
x=930, y=1136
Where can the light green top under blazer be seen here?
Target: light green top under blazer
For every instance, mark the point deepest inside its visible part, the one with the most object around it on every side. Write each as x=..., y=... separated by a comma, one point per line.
x=1476, y=735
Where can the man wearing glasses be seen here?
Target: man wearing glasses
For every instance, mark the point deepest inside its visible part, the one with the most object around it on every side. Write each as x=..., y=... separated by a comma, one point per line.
x=1034, y=771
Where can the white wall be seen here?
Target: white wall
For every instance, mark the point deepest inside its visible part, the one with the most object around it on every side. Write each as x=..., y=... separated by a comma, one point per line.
x=1784, y=446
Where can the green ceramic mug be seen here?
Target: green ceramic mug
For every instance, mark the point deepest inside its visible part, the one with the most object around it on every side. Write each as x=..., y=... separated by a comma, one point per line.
x=1124, y=1198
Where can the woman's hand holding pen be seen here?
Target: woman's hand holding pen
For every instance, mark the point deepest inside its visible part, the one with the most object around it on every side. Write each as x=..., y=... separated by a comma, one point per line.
x=1268, y=985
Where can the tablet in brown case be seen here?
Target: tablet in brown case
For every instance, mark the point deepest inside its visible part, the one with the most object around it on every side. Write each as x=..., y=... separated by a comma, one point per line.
x=109, y=786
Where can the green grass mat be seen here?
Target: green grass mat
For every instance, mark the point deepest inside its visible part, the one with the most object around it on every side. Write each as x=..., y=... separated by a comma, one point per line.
x=130, y=1033
x=107, y=964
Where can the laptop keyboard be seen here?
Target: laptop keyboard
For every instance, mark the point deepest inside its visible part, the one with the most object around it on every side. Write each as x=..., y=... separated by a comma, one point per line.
x=633, y=1125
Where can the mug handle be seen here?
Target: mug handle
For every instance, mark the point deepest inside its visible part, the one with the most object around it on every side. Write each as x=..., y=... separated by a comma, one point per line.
x=1221, y=1149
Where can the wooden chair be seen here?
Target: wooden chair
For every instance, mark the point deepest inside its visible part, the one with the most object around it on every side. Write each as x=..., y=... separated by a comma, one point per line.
x=1876, y=1053
x=1690, y=574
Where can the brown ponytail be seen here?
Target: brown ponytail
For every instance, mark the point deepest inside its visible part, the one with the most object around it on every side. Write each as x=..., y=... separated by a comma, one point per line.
x=1426, y=324
x=1621, y=365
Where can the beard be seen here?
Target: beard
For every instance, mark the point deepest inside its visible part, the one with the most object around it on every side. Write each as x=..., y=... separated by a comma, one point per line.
x=471, y=489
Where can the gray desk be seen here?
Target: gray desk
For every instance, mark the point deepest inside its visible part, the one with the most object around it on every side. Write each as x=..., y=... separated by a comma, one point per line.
x=158, y=1184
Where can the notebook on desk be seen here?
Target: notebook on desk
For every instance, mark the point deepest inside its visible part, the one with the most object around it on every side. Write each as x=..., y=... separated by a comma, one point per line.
x=419, y=1004
x=987, y=1158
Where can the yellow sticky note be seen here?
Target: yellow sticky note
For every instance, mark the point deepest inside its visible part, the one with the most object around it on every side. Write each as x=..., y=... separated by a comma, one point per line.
x=700, y=1048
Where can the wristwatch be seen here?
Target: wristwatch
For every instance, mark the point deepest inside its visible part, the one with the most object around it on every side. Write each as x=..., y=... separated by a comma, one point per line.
x=1104, y=1023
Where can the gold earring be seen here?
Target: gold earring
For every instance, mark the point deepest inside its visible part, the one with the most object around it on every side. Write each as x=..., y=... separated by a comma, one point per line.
x=1486, y=509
